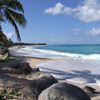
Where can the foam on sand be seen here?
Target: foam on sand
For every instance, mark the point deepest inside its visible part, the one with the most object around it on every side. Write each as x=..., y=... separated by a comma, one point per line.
x=73, y=67
x=75, y=70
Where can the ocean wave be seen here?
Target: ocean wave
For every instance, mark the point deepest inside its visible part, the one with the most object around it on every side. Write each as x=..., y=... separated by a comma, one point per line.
x=33, y=52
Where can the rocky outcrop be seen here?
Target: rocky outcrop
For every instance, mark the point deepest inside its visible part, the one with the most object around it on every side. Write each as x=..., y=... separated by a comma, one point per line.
x=41, y=82
x=63, y=91
x=29, y=87
x=32, y=84
x=22, y=68
x=16, y=67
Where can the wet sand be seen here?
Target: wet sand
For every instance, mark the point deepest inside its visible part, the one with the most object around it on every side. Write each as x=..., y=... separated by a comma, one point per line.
x=35, y=61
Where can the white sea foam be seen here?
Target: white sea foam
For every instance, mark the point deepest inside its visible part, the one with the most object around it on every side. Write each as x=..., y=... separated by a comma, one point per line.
x=29, y=51
x=75, y=70
x=79, y=68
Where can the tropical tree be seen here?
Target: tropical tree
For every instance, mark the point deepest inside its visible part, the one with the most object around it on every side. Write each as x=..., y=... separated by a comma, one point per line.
x=4, y=39
x=13, y=12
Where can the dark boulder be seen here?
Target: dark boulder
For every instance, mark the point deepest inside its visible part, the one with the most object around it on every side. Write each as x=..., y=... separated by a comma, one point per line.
x=36, y=70
x=41, y=83
x=21, y=68
x=63, y=91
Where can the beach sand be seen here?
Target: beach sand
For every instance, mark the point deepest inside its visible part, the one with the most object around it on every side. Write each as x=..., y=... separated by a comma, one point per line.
x=35, y=61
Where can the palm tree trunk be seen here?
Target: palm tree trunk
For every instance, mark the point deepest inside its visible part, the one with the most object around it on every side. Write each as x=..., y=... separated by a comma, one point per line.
x=0, y=28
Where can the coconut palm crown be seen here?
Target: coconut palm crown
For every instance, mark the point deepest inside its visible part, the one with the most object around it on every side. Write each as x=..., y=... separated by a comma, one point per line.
x=13, y=12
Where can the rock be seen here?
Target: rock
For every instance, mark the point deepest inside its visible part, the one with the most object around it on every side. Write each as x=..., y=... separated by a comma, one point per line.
x=19, y=67
x=29, y=89
x=36, y=70
x=41, y=83
x=63, y=91
x=20, y=85
x=22, y=68
x=37, y=75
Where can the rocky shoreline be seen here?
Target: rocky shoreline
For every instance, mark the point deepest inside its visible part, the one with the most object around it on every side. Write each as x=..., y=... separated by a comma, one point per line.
x=32, y=84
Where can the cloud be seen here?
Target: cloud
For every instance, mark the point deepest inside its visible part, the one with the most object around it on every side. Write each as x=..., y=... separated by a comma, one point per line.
x=57, y=41
x=94, y=31
x=91, y=32
x=88, y=11
x=59, y=8
x=9, y=34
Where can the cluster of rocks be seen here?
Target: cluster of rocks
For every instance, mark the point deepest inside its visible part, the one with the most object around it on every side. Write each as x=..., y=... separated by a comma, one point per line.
x=36, y=85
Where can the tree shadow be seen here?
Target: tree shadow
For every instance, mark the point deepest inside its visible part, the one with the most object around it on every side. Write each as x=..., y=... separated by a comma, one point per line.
x=9, y=77
x=86, y=75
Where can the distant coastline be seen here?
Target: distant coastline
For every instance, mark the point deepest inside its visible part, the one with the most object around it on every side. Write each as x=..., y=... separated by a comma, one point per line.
x=28, y=44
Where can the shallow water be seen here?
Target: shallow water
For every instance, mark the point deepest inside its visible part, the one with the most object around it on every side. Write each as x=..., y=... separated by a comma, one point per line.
x=83, y=68
x=82, y=71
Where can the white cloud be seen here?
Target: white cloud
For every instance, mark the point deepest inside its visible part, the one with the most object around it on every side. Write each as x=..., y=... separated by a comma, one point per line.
x=54, y=40
x=9, y=34
x=94, y=31
x=88, y=11
x=57, y=9
x=57, y=41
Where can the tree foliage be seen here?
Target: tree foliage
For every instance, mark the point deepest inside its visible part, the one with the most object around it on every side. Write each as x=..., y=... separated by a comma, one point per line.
x=13, y=12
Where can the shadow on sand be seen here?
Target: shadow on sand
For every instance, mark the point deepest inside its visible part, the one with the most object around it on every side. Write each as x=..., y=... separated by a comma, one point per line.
x=85, y=74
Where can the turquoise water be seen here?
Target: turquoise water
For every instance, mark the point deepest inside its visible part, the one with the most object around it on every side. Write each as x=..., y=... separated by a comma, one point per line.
x=78, y=63
x=82, y=63
x=79, y=49
x=83, y=52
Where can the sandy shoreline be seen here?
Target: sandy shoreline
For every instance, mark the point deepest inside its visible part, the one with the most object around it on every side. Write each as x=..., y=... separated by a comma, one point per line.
x=35, y=61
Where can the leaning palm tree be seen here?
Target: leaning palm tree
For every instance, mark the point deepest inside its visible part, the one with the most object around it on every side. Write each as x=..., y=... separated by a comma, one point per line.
x=13, y=12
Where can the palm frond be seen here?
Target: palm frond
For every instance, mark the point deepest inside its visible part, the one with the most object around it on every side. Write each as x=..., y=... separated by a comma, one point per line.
x=2, y=35
x=12, y=10
x=11, y=20
x=18, y=17
x=13, y=4
x=1, y=18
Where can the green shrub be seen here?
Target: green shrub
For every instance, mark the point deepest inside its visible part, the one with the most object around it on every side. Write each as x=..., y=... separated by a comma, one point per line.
x=6, y=94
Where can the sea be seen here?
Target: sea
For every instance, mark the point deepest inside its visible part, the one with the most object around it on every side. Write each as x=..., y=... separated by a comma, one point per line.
x=73, y=51
x=75, y=63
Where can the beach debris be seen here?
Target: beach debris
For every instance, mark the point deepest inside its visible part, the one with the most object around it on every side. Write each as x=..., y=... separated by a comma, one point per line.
x=91, y=92
x=63, y=91
x=89, y=89
x=4, y=57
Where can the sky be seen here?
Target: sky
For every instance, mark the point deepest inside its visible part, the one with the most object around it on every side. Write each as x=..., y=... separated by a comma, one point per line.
x=59, y=22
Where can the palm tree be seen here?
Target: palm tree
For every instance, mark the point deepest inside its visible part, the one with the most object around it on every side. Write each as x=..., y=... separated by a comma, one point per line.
x=13, y=12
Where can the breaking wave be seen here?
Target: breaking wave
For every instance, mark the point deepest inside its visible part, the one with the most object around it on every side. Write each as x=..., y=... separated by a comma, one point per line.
x=33, y=52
